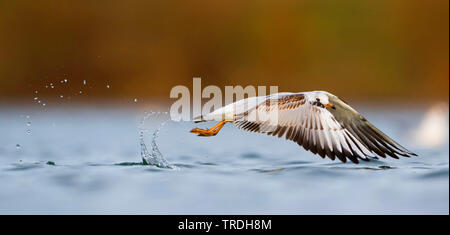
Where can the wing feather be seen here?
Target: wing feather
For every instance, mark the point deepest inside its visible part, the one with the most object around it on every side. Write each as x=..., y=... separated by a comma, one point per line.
x=342, y=133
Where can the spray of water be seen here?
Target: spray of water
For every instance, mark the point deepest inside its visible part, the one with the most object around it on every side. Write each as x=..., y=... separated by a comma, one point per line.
x=154, y=157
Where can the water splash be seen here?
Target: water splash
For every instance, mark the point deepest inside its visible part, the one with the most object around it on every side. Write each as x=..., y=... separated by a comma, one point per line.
x=154, y=157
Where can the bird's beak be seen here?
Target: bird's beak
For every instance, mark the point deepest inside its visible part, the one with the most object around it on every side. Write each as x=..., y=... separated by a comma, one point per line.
x=329, y=105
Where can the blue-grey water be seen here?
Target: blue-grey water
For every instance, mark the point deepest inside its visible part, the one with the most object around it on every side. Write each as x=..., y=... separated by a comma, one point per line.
x=88, y=161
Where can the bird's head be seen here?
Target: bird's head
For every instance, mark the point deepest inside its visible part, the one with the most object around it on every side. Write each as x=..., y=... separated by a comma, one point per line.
x=322, y=99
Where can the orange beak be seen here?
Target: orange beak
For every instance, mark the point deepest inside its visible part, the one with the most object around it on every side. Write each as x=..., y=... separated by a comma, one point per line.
x=329, y=105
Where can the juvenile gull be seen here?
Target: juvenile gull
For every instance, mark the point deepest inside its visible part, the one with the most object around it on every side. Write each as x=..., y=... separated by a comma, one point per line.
x=317, y=120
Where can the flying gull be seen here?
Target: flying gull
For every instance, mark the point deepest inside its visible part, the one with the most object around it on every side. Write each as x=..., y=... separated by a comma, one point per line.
x=317, y=120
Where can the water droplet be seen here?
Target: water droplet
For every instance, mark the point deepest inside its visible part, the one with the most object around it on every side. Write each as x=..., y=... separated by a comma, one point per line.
x=61, y=96
x=28, y=131
x=52, y=87
x=39, y=101
x=46, y=86
x=43, y=104
x=35, y=98
x=28, y=123
x=35, y=92
x=17, y=146
x=81, y=92
x=135, y=100
x=107, y=86
x=28, y=116
x=84, y=82
x=65, y=79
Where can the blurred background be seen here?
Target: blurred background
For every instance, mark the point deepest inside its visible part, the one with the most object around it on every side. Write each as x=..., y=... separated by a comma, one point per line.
x=84, y=90
x=366, y=50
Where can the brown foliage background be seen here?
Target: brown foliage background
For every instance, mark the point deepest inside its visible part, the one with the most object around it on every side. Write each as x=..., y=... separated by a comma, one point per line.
x=363, y=49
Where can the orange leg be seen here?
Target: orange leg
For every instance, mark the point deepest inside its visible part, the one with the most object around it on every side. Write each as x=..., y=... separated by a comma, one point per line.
x=211, y=131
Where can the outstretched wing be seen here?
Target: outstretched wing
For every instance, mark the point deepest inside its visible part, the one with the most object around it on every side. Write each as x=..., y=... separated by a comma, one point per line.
x=365, y=132
x=341, y=133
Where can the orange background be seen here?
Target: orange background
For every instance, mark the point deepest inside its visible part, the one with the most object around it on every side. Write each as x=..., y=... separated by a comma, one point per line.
x=371, y=50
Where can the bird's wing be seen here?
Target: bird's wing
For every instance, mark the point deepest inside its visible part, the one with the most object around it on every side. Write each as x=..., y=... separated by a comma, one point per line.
x=365, y=132
x=341, y=133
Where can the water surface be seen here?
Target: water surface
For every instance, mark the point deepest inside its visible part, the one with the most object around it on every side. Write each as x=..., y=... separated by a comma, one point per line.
x=88, y=161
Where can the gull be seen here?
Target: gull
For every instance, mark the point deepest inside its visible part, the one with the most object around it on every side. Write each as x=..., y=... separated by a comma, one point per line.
x=317, y=120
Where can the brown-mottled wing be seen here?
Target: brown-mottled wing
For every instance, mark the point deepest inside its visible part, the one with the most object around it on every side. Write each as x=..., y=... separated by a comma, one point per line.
x=340, y=133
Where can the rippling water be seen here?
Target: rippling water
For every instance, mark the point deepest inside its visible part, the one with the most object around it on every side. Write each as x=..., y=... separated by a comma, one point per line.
x=89, y=161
